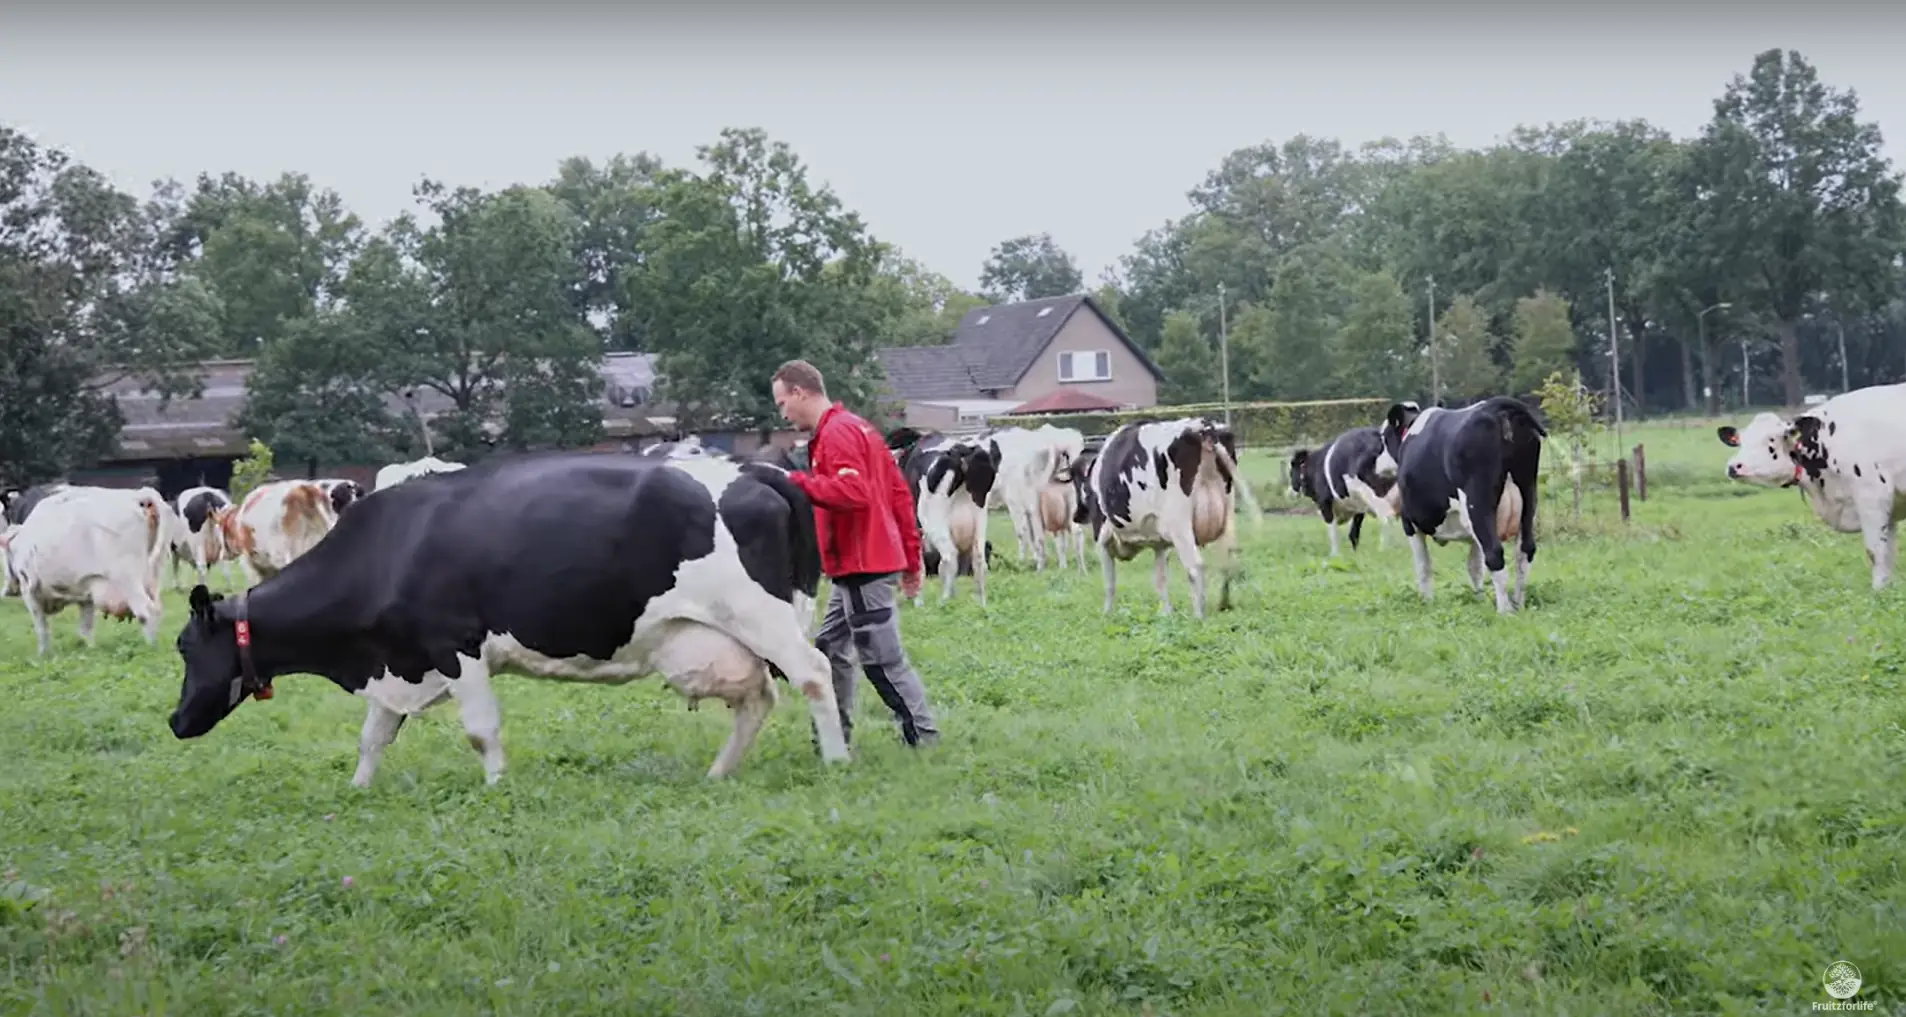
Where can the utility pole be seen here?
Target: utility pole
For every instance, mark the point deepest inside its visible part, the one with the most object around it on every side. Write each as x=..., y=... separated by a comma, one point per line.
x=1744, y=369
x=1436, y=374
x=1845, y=386
x=1614, y=356
x=1224, y=354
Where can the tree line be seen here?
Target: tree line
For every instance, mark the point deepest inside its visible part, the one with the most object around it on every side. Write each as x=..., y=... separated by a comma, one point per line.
x=1777, y=230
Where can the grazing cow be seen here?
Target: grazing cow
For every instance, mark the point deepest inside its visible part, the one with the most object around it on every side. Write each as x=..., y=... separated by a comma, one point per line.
x=1477, y=464
x=950, y=505
x=341, y=493
x=1169, y=486
x=397, y=473
x=610, y=568
x=201, y=544
x=1340, y=479
x=1847, y=456
x=97, y=548
x=276, y=523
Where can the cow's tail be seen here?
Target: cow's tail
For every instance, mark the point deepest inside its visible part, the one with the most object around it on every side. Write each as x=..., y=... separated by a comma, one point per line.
x=158, y=540
x=804, y=544
x=1239, y=484
x=1513, y=411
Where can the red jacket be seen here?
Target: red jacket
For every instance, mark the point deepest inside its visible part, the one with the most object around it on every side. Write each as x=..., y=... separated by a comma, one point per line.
x=862, y=509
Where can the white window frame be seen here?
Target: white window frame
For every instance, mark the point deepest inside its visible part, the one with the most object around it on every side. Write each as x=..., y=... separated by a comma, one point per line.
x=1070, y=377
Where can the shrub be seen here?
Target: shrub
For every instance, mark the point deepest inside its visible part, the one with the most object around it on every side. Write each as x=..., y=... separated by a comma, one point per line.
x=251, y=471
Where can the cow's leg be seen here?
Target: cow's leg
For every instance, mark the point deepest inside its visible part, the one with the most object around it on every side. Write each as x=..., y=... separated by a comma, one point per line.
x=380, y=727
x=1522, y=575
x=88, y=615
x=979, y=567
x=36, y=611
x=1356, y=529
x=1078, y=546
x=1878, y=531
x=1110, y=570
x=1479, y=516
x=1475, y=567
x=1331, y=525
x=1030, y=516
x=1420, y=556
x=767, y=626
x=1192, y=556
x=482, y=716
x=1226, y=548
x=749, y=715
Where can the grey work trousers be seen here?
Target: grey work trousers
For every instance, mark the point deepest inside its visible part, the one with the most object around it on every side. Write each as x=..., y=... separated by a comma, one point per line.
x=862, y=621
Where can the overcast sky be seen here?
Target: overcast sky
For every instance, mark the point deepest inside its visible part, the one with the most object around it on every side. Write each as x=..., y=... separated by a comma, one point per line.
x=948, y=128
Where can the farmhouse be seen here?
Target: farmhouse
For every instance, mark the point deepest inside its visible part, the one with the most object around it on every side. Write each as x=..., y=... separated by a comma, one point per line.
x=1057, y=354
x=193, y=441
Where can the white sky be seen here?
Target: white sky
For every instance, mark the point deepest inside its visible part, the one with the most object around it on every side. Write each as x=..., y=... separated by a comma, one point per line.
x=949, y=128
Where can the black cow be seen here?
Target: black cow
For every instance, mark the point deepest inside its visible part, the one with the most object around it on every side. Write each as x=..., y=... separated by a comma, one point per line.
x=1341, y=480
x=343, y=493
x=1478, y=463
x=570, y=566
x=20, y=504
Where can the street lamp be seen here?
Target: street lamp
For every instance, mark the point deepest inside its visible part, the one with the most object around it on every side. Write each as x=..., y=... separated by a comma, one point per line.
x=1700, y=321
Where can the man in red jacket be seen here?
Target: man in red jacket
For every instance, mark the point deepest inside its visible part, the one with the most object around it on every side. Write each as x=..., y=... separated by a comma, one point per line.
x=864, y=516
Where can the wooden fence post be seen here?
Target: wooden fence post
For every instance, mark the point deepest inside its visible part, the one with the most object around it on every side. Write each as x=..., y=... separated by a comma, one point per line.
x=1641, y=474
x=1621, y=484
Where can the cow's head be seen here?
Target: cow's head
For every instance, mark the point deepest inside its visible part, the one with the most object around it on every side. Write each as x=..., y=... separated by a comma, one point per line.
x=343, y=493
x=214, y=682
x=1300, y=481
x=1396, y=424
x=1775, y=452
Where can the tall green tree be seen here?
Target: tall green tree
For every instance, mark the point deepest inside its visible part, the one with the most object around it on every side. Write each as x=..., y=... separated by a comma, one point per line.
x=748, y=265
x=1544, y=341
x=1188, y=361
x=1029, y=268
x=1465, y=352
x=1376, y=352
x=1797, y=193
x=611, y=205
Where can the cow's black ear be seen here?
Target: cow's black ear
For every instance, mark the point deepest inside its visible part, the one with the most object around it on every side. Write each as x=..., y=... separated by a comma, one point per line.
x=1299, y=458
x=1400, y=415
x=1729, y=437
x=200, y=600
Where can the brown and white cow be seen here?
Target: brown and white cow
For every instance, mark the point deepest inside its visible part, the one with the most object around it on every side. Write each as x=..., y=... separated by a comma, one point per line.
x=275, y=524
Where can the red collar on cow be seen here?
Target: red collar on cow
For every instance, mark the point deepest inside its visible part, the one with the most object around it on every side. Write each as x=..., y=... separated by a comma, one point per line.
x=247, y=681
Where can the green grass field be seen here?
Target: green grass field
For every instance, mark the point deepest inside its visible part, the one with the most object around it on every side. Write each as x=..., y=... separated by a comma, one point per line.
x=1675, y=784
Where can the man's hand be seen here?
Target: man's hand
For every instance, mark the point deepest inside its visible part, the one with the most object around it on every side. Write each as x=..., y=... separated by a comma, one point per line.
x=910, y=584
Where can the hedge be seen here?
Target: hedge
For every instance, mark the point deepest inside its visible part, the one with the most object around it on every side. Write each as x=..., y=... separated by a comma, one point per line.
x=1275, y=425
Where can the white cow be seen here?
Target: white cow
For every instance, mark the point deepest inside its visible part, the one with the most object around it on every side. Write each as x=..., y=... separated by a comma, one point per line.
x=1847, y=456
x=97, y=548
x=277, y=522
x=397, y=473
x=1130, y=509
x=1031, y=463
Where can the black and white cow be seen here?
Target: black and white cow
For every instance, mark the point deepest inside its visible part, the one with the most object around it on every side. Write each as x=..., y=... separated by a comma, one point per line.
x=1466, y=474
x=954, y=480
x=1847, y=456
x=202, y=543
x=1169, y=486
x=20, y=504
x=567, y=566
x=1341, y=480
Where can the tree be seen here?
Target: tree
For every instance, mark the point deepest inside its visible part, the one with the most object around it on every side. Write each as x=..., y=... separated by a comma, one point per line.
x=749, y=265
x=1188, y=362
x=611, y=206
x=1029, y=268
x=81, y=308
x=1544, y=342
x=1376, y=352
x=317, y=395
x=1464, y=351
x=1797, y=193
x=1292, y=339
x=490, y=323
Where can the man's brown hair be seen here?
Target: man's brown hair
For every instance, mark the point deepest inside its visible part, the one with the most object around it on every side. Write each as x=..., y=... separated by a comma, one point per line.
x=800, y=374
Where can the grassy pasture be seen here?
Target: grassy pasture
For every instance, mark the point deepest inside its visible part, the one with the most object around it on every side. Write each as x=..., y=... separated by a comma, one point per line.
x=1673, y=785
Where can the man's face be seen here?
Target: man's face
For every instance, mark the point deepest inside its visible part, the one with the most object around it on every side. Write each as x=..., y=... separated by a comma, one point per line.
x=788, y=401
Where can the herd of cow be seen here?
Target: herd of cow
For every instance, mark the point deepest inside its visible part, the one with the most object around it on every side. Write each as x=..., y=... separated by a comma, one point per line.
x=702, y=567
